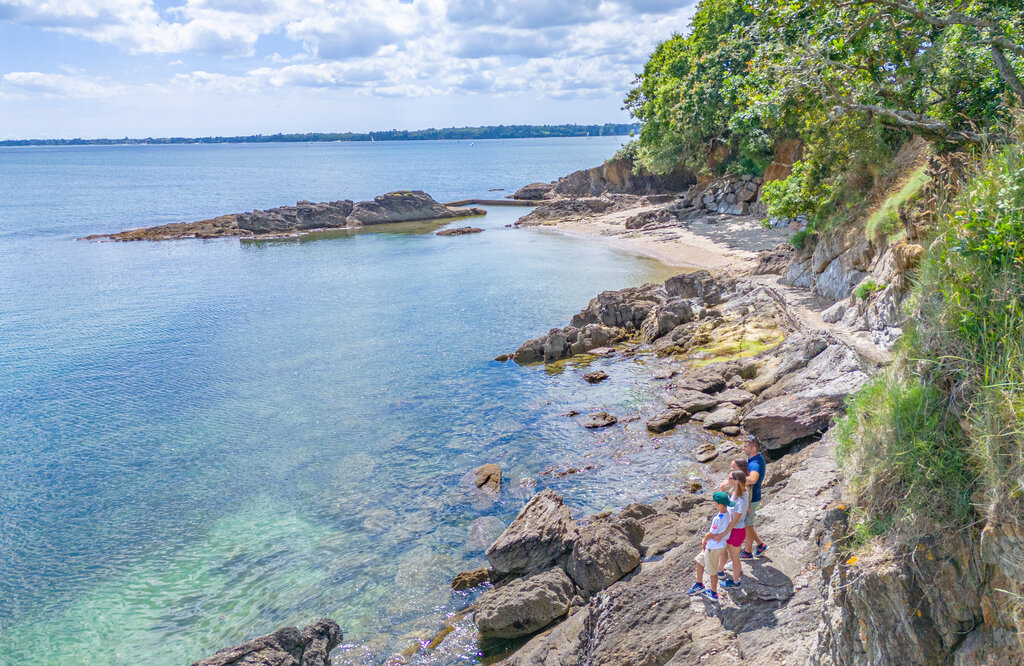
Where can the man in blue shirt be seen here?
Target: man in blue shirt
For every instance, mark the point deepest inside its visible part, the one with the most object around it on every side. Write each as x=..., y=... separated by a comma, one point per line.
x=755, y=475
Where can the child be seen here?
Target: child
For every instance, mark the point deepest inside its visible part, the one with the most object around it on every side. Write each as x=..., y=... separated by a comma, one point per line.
x=713, y=544
x=737, y=529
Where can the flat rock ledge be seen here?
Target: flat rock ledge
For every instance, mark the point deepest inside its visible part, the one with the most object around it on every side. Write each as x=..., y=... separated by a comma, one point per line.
x=304, y=217
x=285, y=647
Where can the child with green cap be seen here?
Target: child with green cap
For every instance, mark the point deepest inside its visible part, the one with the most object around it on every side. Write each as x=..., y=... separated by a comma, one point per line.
x=712, y=544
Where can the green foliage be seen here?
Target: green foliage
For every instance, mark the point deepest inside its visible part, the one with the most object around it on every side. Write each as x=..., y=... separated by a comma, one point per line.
x=799, y=194
x=799, y=239
x=691, y=88
x=852, y=80
x=867, y=288
x=941, y=433
x=886, y=220
x=907, y=453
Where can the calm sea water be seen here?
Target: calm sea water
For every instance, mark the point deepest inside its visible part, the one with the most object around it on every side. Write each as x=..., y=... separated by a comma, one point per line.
x=201, y=441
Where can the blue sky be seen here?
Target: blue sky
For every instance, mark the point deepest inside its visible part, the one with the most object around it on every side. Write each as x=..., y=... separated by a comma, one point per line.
x=112, y=68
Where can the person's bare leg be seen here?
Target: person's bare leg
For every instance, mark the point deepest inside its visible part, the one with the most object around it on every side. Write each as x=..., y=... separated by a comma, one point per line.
x=700, y=574
x=723, y=559
x=752, y=536
x=735, y=552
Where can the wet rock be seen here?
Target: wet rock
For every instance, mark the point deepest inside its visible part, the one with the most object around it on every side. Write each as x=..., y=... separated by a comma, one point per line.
x=705, y=453
x=285, y=647
x=667, y=419
x=571, y=413
x=501, y=358
x=602, y=351
x=469, y=579
x=599, y=420
x=488, y=477
x=542, y=532
x=731, y=431
x=692, y=401
x=459, y=231
x=524, y=605
x=725, y=415
x=664, y=373
x=604, y=552
x=703, y=381
x=595, y=377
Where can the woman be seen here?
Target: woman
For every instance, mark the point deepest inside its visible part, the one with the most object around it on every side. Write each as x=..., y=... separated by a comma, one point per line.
x=737, y=528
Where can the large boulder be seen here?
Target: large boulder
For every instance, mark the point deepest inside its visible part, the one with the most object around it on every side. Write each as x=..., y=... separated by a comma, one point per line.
x=534, y=191
x=725, y=415
x=693, y=401
x=667, y=419
x=565, y=342
x=665, y=316
x=542, y=532
x=404, y=206
x=604, y=552
x=786, y=419
x=524, y=605
x=624, y=308
x=303, y=216
x=488, y=477
x=285, y=647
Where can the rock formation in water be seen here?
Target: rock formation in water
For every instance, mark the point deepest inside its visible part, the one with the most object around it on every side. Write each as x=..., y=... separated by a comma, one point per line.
x=303, y=217
x=285, y=647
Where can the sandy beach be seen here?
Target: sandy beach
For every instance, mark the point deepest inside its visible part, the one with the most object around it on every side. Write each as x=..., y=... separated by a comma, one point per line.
x=716, y=242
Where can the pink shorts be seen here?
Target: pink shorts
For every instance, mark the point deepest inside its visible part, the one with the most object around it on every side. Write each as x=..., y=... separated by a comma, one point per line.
x=737, y=536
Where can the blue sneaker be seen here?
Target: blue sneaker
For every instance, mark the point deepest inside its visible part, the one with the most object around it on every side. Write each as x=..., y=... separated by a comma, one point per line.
x=759, y=549
x=731, y=583
x=696, y=589
x=711, y=594
x=744, y=555
x=721, y=575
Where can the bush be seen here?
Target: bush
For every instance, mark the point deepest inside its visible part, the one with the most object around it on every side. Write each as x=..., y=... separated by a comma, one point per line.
x=909, y=462
x=867, y=288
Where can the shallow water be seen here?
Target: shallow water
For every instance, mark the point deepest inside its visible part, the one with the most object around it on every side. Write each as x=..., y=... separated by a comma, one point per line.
x=201, y=441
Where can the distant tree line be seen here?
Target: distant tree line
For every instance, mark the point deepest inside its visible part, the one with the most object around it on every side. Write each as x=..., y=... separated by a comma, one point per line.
x=449, y=133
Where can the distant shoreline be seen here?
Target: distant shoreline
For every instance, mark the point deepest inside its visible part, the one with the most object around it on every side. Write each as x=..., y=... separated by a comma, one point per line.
x=446, y=134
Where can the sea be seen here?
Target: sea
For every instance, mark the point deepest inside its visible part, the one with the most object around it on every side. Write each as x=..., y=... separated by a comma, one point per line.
x=203, y=441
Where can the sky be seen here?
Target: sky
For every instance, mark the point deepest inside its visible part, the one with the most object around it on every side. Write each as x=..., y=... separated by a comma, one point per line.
x=141, y=68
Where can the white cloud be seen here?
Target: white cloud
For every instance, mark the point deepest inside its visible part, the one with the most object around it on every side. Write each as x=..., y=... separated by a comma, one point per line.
x=56, y=85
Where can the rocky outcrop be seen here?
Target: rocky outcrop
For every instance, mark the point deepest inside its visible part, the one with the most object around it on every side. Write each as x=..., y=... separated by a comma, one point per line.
x=647, y=618
x=488, y=477
x=524, y=605
x=731, y=195
x=403, y=206
x=604, y=552
x=542, y=532
x=304, y=216
x=595, y=377
x=599, y=420
x=285, y=647
x=619, y=176
x=534, y=191
x=459, y=231
x=469, y=579
x=559, y=210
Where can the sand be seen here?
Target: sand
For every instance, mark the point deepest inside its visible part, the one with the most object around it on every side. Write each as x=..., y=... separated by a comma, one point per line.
x=718, y=242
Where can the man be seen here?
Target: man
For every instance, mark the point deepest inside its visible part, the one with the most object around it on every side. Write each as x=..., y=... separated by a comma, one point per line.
x=755, y=475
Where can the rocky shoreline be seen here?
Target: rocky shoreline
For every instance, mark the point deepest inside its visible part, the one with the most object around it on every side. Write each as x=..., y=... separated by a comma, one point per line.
x=769, y=348
x=304, y=217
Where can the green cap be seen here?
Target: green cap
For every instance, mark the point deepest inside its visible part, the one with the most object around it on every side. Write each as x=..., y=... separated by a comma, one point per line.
x=722, y=497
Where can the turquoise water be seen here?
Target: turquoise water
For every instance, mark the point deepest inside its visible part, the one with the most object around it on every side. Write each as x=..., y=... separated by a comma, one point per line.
x=201, y=441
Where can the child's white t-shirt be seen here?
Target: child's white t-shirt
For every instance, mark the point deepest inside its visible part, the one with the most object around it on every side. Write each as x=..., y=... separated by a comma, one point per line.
x=739, y=505
x=718, y=525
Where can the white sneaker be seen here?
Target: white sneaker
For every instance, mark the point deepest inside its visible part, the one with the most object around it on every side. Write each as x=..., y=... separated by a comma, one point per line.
x=728, y=565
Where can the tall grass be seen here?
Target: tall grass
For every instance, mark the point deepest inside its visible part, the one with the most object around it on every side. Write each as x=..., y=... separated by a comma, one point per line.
x=939, y=437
